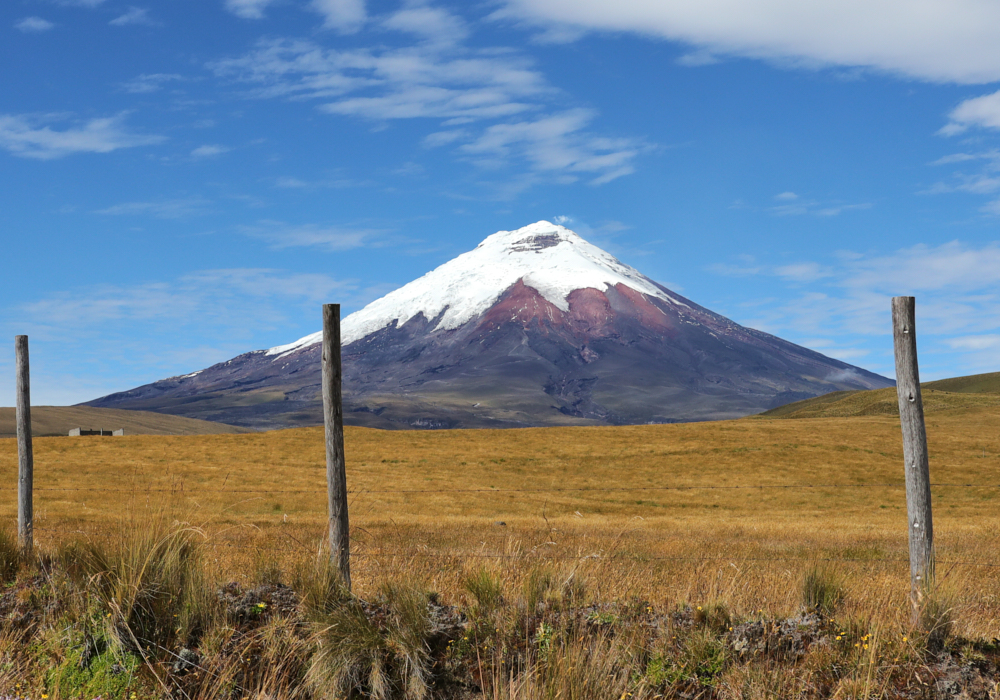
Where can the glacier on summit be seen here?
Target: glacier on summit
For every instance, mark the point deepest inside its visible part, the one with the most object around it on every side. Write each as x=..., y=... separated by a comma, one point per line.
x=546, y=257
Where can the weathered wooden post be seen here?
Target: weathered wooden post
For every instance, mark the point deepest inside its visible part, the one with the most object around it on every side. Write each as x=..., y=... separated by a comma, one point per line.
x=333, y=419
x=918, y=481
x=25, y=458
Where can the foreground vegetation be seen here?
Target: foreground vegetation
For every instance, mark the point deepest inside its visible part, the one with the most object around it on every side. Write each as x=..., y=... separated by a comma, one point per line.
x=143, y=614
x=478, y=574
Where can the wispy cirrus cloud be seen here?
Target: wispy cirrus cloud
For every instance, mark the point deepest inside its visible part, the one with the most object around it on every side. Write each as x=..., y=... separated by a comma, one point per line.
x=346, y=16
x=845, y=303
x=280, y=235
x=556, y=143
x=976, y=173
x=161, y=209
x=150, y=82
x=125, y=335
x=493, y=107
x=32, y=136
x=248, y=9
x=33, y=25
x=132, y=16
x=209, y=150
x=287, y=182
x=792, y=204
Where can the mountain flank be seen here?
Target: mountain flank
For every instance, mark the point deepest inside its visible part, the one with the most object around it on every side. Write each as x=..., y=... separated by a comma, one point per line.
x=533, y=327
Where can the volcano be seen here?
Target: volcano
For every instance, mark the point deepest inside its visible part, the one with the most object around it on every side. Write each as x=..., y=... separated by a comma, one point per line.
x=533, y=327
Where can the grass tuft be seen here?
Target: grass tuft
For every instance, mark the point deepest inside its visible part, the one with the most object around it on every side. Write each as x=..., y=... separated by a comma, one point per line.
x=10, y=555
x=377, y=650
x=822, y=590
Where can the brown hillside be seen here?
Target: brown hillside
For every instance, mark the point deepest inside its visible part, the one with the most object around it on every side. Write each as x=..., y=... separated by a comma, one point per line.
x=880, y=402
x=58, y=420
x=973, y=384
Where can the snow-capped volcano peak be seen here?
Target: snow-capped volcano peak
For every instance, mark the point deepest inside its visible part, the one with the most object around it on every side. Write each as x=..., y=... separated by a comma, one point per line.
x=544, y=256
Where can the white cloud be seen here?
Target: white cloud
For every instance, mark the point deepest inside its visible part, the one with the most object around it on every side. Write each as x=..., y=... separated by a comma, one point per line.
x=443, y=138
x=957, y=287
x=955, y=158
x=149, y=82
x=430, y=23
x=125, y=335
x=134, y=15
x=29, y=136
x=344, y=15
x=281, y=235
x=984, y=180
x=974, y=342
x=295, y=183
x=794, y=205
x=802, y=272
x=194, y=298
x=991, y=207
x=698, y=58
x=556, y=143
x=983, y=111
x=248, y=9
x=161, y=209
x=209, y=150
x=460, y=86
x=836, y=209
x=933, y=40
x=952, y=266
x=35, y=25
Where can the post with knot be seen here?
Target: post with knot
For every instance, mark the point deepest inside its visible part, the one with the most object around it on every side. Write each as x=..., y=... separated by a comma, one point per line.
x=918, y=482
x=25, y=458
x=333, y=420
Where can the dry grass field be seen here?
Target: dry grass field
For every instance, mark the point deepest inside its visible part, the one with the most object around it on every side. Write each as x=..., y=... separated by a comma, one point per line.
x=689, y=516
x=655, y=509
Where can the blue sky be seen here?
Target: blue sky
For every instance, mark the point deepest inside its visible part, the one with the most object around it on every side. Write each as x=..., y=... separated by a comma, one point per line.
x=184, y=181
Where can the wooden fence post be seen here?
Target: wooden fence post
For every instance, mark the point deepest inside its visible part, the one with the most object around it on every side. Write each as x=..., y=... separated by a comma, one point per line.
x=25, y=458
x=918, y=482
x=333, y=420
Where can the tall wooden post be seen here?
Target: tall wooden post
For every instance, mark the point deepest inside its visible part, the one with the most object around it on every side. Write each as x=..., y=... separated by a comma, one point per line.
x=25, y=458
x=911, y=419
x=333, y=419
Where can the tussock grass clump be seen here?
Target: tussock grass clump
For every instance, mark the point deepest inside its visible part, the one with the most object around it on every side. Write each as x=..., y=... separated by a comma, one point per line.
x=320, y=586
x=574, y=667
x=714, y=615
x=10, y=555
x=147, y=581
x=822, y=590
x=486, y=589
x=379, y=650
x=936, y=619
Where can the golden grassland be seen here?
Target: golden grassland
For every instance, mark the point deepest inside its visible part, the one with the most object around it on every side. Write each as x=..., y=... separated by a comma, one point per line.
x=432, y=506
